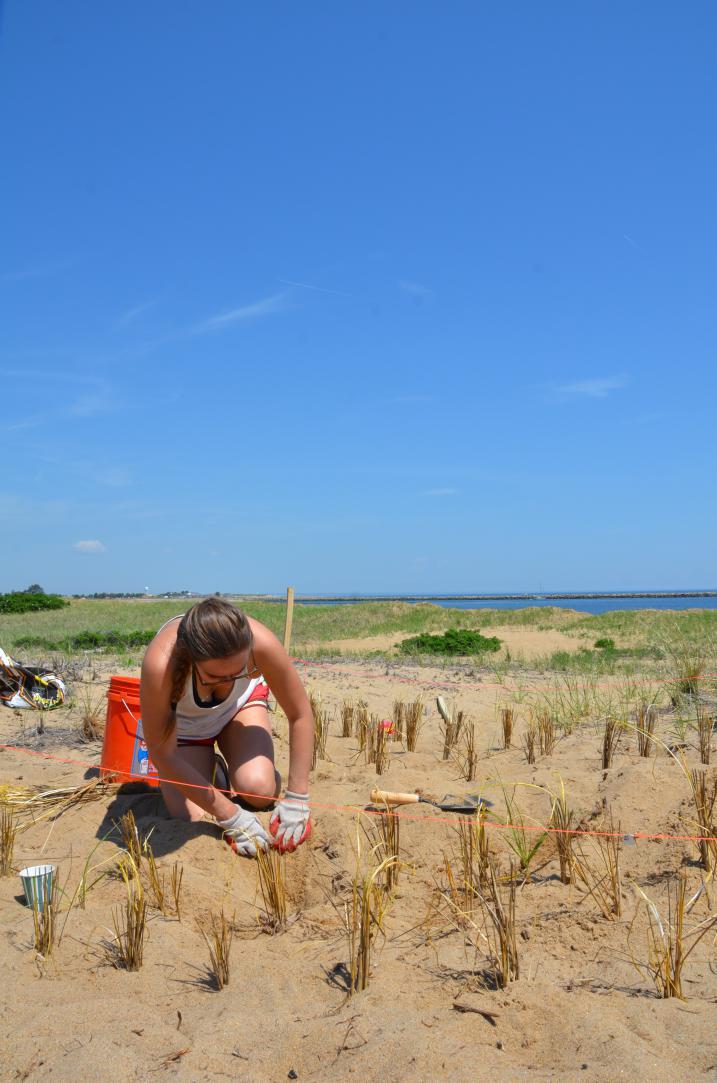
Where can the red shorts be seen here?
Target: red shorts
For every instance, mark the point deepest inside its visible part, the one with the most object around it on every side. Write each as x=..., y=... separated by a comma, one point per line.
x=259, y=694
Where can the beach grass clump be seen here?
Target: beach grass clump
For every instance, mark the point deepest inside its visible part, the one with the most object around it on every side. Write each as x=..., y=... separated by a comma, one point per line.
x=126, y=952
x=363, y=723
x=669, y=943
x=561, y=826
x=8, y=831
x=398, y=715
x=451, y=725
x=704, y=794
x=218, y=938
x=130, y=837
x=347, y=718
x=44, y=919
x=382, y=744
x=645, y=722
x=598, y=867
x=465, y=754
x=364, y=917
x=321, y=727
x=498, y=907
x=271, y=871
x=547, y=735
x=92, y=709
x=705, y=729
x=529, y=740
x=414, y=722
x=610, y=737
x=524, y=840
x=507, y=718
x=388, y=848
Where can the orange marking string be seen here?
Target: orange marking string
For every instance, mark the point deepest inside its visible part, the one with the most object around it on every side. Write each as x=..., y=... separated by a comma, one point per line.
x=453, y=818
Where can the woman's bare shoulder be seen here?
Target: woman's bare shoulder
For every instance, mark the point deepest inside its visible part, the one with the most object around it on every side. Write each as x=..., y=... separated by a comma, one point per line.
x=159, y=651
x=263, y=636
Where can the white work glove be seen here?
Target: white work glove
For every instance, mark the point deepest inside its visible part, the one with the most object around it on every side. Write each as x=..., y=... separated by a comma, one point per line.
x=244, y=833
x=290, y=822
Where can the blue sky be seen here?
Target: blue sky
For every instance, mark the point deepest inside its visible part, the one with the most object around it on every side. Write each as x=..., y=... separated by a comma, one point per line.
x=373, y=297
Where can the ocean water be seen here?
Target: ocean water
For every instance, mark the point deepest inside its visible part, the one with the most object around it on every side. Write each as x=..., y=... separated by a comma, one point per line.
x=584, y=605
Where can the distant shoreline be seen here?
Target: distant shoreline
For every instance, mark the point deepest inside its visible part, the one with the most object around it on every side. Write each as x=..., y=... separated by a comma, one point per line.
x=486, y=597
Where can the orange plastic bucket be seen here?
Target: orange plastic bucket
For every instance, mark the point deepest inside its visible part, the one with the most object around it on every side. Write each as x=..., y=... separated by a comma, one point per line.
x=124, y=752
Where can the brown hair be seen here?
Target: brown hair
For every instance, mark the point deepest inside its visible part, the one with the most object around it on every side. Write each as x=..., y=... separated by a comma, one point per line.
x=211, y=629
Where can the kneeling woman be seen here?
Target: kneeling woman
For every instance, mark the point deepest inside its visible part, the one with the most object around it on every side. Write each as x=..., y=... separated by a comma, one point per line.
x=204, y=680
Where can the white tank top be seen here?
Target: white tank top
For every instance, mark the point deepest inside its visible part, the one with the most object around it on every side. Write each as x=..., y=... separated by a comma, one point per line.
x=193, y=720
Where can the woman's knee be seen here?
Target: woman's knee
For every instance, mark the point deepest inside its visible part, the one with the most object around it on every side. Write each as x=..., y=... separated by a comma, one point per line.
x=258, y=783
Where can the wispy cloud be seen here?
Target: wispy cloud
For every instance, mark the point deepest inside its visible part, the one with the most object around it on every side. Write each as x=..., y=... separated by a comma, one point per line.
x=89, y=547
x=415, y=290
x=318, y=289
x=41, y=271
x=596, y=388
x=267, y=307
x=633, y=243
x=132, y=314
x=440, y=492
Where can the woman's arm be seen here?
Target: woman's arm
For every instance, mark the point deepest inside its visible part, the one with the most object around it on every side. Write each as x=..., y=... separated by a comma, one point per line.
x=161, y=738
x=276, y=666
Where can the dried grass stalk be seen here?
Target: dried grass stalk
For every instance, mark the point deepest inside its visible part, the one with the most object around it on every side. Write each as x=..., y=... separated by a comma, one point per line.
x=175, y=886
x=600, y=870
x=271, y=870
x=44, y=919
x=157, y=882
x=669, y=942
x=362, y=724
x=645, y=725
x=704, y=795
x=382, y=745
x=546, y=733
x=610, y=738
x=561, y=821
x=92, y=709
x=347, y=718
x=130, y=922
x=507, y=716
x=529, y=739
x=370, y=737
x=130, y=837
x=705, y=727
x=466, y=754
x=8, y=831
x=389, y=832
x=451, y=725
x=398, y=715
x=219, y=943
x=498, y=905
x=364, y=918
x=414, y=721
x=321, y=727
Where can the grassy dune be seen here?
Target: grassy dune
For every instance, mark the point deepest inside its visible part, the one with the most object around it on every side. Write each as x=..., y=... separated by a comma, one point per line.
x=649, y=631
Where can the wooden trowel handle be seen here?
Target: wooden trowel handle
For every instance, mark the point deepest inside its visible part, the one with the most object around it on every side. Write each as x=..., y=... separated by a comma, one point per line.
x=386, y=797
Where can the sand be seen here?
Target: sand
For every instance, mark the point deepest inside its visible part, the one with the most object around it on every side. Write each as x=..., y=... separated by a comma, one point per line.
x=579, y=1009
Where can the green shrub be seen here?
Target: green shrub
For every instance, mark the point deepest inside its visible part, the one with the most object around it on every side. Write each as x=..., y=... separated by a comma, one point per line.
x=454, y=641
x=89, y=641
x=605, y=644
x=28, y=602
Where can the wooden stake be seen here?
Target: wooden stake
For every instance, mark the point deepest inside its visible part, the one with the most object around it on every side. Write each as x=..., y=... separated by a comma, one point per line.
x=289, y=617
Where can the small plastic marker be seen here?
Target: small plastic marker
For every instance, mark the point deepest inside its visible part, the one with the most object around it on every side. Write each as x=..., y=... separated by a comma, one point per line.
x=629, y=840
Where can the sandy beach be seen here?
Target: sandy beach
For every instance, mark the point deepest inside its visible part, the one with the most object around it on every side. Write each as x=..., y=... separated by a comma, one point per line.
x=579, y=1009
